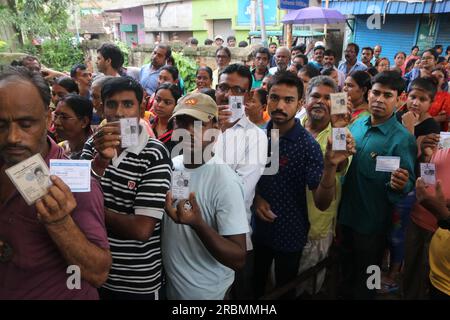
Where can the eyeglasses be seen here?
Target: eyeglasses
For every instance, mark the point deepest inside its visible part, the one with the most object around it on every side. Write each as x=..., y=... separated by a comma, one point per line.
x=223, y=87
x=62, y=117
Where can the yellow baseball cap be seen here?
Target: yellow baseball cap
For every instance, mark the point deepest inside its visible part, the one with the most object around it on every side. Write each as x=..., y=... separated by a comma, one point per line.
x=197, y=105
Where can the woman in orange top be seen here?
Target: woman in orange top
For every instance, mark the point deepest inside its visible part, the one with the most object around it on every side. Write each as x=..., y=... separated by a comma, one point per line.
x=440, y=109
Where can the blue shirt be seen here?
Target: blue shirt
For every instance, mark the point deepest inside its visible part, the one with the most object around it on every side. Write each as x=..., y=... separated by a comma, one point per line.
x=301, y=165
x=367, y=198
x=149, y=78
x=315, y=64
x=358, y=66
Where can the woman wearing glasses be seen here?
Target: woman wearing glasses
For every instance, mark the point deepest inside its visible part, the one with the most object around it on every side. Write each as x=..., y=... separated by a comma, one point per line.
x=427, y=64
x=72, y=120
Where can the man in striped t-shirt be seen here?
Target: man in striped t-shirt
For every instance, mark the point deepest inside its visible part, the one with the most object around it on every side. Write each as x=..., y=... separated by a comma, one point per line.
x=135, y=181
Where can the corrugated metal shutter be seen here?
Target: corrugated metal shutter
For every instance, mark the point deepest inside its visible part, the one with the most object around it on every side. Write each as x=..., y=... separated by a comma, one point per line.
x=443, y=36
x=397, y=34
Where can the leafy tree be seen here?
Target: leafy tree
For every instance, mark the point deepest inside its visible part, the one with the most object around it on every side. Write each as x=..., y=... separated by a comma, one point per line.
x=35, y=18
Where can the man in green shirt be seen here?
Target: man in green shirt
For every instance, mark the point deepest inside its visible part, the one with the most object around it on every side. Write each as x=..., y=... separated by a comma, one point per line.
x=262, y=59
x=368, y=196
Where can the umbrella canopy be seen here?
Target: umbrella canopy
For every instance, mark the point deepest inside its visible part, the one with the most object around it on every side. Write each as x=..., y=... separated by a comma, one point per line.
x=313, y=15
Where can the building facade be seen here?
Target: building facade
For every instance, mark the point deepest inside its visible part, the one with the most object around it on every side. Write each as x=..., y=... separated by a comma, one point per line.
x=396, y=25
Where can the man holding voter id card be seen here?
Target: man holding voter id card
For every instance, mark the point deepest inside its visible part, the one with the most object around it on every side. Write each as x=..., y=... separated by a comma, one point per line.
x=48, y=231
x=135, y=173
x=380, y=175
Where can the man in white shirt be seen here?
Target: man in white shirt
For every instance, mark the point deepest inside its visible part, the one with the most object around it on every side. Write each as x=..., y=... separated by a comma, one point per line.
x=243, y=146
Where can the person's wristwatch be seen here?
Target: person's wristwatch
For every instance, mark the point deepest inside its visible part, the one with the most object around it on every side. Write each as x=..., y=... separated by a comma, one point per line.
x=444, y=223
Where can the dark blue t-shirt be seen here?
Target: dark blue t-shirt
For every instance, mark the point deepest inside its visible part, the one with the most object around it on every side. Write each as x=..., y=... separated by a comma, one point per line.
x=301, y=165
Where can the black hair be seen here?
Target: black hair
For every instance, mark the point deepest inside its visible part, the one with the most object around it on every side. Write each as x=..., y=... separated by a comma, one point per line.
x=81, y=106
x=120, y=84
x=167, y=47
x=372, y=71
x=209, y=92
x=310, y=71
x=193, y=41
x=427, y=84
x=415, y=47
x=231, y=38
x=410, y=63
x=29, y=58
x=73, y=71
x=354, y=45
x=272, y=43
x=35, y=78
x=327, y=71
x=243, y=44
x=438, y=46
x=224, y=49
x=289, y=79
x=174, y=90
x=207, y=69
x=319, y=48
x=377, y=63
x=391, y=79
x=400, y=52
x=447, y=49
x=367, y=48
x=363, y=80
x=67, y=83
x=171, y=61
x=329, y=52
x=299, y=48
x=241, y=70
x=113, y=52
x=262, y=95
x=304, y=57
x=444, y=72
x=172, y=70
x=262, y=50
x=433, y=52
x=208, y=42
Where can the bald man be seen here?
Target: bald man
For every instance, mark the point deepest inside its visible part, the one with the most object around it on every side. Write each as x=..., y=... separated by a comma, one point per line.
x=282, y=58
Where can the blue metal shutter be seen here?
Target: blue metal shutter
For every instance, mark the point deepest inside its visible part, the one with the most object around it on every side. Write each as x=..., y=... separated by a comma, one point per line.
x=397, y=34
x=443, y=36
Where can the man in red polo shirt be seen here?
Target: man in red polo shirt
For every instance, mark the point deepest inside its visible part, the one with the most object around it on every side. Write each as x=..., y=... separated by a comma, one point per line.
x=38, y=243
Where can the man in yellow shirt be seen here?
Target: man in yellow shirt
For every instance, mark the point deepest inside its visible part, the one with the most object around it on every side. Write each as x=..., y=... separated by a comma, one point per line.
x=318, y=122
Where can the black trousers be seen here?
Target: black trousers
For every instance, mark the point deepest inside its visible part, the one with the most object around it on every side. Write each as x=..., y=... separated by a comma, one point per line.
x=286, y=268
x=242, y=288
x=358, y=252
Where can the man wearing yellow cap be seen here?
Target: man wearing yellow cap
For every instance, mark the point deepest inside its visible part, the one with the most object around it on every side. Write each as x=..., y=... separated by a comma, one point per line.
x=204, y=236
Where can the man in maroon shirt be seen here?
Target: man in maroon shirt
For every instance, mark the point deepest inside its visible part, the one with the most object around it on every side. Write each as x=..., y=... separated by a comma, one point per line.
x=38, y=243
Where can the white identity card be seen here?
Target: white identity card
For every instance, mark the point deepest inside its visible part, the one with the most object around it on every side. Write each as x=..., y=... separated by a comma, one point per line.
x=31, y=178
x=339, y=139
x=444, y=141
x=236, y=104
x=338, y=103
x=180, y=184
x=387, y=164
x=428, y=173
x=129, y=131
x=75, y=173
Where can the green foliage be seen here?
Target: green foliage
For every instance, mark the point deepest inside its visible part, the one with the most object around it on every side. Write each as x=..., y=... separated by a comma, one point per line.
x=60, y=54
x=36, y=18
x=125, y=50
x=3, y=46
x=187, y=69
